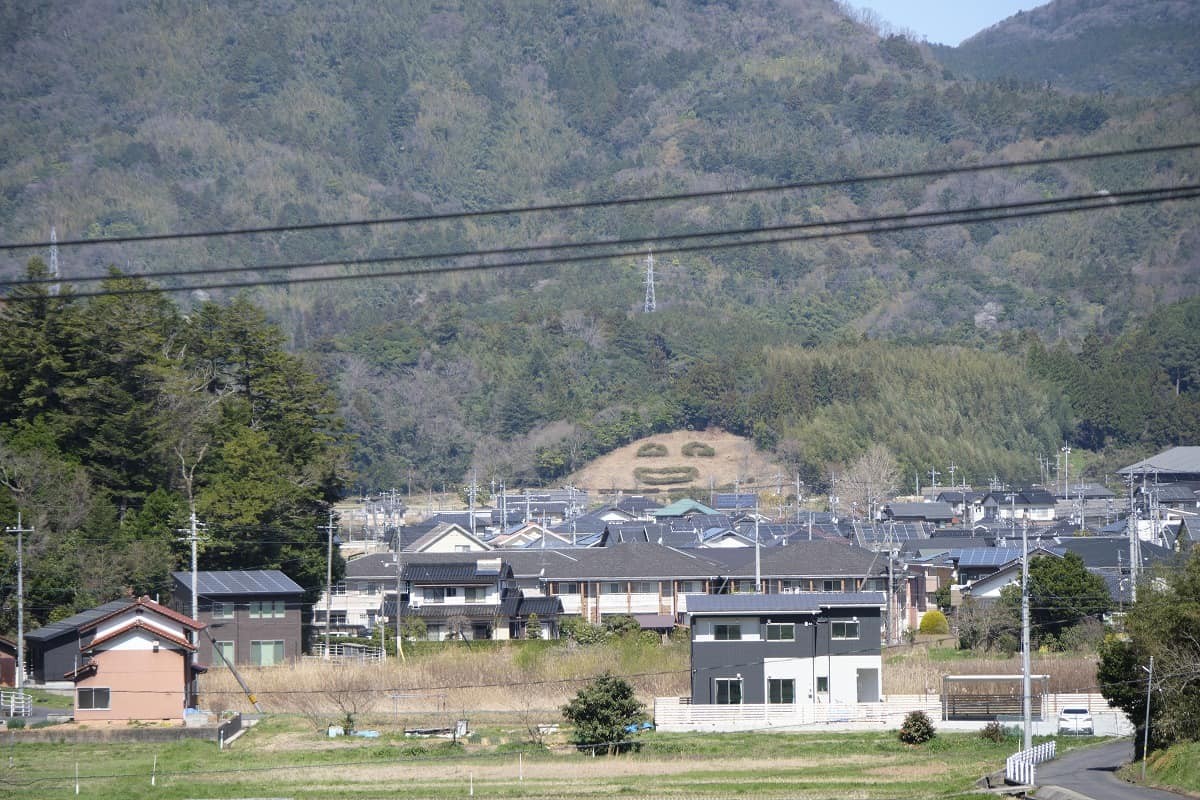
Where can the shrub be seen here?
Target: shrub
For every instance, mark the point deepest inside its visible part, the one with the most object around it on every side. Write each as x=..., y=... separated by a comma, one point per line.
x=601, y=711
x=917, y=728
x=580, y=630
x=533, y=627
x=698, y=450
x=661, y=476
x=621, y=625
x=993, y=732
x=934, y=621
x=652, y=450
x=16, y=723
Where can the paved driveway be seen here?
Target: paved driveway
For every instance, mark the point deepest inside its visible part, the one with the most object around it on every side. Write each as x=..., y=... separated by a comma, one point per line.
x=1090, y=772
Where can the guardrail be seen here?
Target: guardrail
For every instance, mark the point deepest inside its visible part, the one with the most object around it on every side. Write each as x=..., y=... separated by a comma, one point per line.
x=1021, y=768
x=15, y=703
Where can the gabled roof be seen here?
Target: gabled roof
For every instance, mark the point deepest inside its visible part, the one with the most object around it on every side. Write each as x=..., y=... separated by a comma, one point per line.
x=142, y=626
x=681, y=507
x=736, y=500
x=468, y=573
x=820, y=558
x=73, y=623
x=1178, y=460
x=516, y=605
x=636, y=504
x=239, y=582
x=440, y=531
x=780, y=603
x=932, y=511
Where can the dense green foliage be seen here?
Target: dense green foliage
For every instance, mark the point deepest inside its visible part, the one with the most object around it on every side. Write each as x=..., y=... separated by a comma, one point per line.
x=1064, y=597
x=167, y=117
x=118, y=414
x=601, y=711
x=1163, y=623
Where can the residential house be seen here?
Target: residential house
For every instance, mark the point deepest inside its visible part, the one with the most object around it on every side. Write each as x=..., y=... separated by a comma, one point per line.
x=126, y=660
x=1033, y=505
x=254, y=617
x=937, y=514
x=786, y=649
x=456, y=595
x=1170, y=466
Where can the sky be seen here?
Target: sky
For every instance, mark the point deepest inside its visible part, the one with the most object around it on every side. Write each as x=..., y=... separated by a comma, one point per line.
x=946, y=21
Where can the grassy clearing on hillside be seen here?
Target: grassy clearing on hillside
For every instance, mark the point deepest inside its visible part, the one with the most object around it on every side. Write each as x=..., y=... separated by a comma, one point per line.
x=284, y=757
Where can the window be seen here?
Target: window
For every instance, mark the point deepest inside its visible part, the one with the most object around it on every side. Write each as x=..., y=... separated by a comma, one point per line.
x=690, y=587
x=475, y=594
x=451, y=591
x=337, y=618
x=822, y=684
x=372, y=588
x=339, y=589
x=831, y=586
x=726, y=632
x=645, y=587
x=266, y=653
x=222, y=610
x=267, y=609
x=788, y=587
x=433, y=594
x=845, y=630
x=462, y=548
x=729, y=691
x=434, y=632
x=92, y=700
x=781, y=632
x=223, y=654
x=319, y=616
x=568, y=588
x=781, y=690
x=611, y=588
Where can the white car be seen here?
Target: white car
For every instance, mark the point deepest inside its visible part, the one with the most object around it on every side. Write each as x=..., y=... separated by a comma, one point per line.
x=1075, y=721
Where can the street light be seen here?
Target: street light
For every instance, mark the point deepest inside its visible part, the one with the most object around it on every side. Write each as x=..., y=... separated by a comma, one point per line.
x=1146, y=732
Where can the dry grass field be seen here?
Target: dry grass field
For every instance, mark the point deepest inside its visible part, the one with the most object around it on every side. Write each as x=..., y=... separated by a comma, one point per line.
x=736, y=460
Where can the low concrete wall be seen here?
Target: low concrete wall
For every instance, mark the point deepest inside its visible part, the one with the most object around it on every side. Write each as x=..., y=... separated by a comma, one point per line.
x=56, y=733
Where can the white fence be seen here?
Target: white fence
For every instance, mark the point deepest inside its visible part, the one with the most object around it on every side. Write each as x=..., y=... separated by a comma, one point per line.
x=344, y=653
x=677, y=714
x=1021, y=768
x=16, y=704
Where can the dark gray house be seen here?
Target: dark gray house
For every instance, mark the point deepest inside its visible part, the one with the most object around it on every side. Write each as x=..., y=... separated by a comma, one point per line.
x=254, y=617
x=812, y=647
x=53, y=650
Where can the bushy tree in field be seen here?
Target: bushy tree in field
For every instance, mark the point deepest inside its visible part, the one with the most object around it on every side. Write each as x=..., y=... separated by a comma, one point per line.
x=601, y=711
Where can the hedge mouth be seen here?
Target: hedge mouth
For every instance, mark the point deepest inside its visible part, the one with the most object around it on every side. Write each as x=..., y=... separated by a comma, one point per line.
x=664, y=476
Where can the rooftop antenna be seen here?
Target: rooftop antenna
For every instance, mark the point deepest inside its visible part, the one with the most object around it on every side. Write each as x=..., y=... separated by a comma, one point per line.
x=54, y=260
x=651, y=305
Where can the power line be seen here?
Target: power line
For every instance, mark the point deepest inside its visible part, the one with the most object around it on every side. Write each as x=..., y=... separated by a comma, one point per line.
x=614, y=202
x=1010, y=212
x=1093, y=199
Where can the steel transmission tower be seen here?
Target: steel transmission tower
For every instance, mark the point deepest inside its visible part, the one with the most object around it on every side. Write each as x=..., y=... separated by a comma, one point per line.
x=651, y=305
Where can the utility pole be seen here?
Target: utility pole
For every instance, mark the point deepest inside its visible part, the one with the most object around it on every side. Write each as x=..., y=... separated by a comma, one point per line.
x=399, y=586
x=193, y=538
x=471, y=497
x=757, y=557
x=19, y=530
x=933, y=476
x=650, y=305
x=1066, y=449
x=953, y=467
x=328, y=583
x=1026, y=690
x=1135, y=560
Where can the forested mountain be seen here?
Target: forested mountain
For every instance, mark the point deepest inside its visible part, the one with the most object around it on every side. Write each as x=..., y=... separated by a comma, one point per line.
x=1141, y=47
x=127, y=119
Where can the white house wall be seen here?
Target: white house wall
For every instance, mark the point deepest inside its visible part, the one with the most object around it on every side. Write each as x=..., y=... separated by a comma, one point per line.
x=149, y=618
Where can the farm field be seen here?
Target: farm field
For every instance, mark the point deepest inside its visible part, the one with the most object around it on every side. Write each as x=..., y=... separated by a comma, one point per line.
x=286, y=756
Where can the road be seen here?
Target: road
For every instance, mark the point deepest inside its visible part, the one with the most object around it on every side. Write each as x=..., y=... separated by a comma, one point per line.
x=1090, y=772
